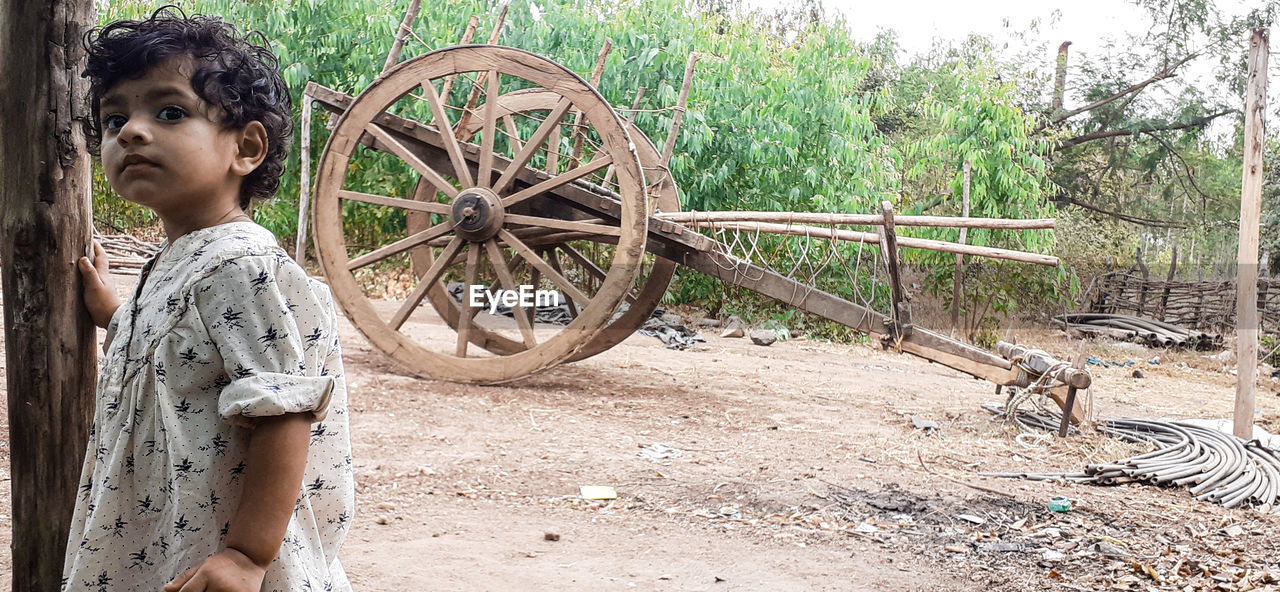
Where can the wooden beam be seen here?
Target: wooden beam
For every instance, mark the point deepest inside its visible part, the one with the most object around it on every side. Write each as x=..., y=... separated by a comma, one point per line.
x=45, y=227
x=1247, y=256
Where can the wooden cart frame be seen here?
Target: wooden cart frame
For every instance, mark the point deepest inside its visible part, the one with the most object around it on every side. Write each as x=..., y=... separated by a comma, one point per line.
x=519, y=164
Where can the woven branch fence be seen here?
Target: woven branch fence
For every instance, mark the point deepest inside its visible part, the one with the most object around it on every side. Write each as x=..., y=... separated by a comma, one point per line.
x=1204, y=305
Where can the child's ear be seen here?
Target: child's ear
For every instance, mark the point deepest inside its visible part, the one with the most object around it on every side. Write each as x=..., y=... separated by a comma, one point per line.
x=251, y=148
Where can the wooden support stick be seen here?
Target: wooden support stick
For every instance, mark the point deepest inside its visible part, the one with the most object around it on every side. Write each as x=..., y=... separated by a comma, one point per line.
x=406, y=26
x=889, y=247
x=669, y=147
x=480, y=79
x=1247, y=258
x=466, y=38
x=957, y=289
x=304, y=190
x=903, y=241
x=596, y=73
x=857, y=219
x=630, y=117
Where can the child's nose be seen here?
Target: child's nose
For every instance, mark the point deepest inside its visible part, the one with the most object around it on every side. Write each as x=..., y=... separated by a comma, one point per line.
x=134, y=131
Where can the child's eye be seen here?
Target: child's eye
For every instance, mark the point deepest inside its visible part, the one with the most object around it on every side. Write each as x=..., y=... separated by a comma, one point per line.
x=171, y=114
x=113, y=122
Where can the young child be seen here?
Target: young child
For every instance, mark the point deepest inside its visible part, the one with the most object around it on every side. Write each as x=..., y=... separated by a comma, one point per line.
x=219, y=458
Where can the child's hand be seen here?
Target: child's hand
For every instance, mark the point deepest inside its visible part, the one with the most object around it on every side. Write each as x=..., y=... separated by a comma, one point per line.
x=99, y=296
x=227, y=570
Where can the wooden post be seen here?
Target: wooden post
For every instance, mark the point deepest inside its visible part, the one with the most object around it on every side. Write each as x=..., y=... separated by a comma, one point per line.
x=957, y=290
x=304, y=181
x=889, y=247
x=45, y=226
x=406, y=26
x=1247, y=257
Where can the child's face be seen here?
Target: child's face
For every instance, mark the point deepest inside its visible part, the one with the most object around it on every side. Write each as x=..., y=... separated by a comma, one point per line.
x=163, y=147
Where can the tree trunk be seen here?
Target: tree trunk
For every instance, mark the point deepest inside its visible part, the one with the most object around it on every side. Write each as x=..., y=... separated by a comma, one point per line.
x=45, y=225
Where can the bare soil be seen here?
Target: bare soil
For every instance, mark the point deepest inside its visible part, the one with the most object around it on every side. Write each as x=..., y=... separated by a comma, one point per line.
x=789, y=467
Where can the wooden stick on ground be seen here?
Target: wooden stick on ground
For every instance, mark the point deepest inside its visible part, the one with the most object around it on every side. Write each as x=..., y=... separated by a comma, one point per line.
x=924, y=466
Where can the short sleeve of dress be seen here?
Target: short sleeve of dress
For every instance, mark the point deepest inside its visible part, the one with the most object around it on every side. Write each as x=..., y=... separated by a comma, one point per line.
x=273, y=331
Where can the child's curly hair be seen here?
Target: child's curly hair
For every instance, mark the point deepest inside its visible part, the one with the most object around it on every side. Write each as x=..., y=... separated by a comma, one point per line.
x=234, y=74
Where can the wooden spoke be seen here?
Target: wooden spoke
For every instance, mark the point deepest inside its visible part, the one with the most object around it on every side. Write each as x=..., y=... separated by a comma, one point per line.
x=396, y=202
x=507, y=283
x=513, y=132
x=554, y=260
x=400, y=246
x=425, y=282
x=468, y=311
x=537, y=262
x=595, y=229
x=552, y=165
x=539, y=136
x=408, y=156
x=446, y=133
x=583, y=261
x=485, y=173
x=558, y=180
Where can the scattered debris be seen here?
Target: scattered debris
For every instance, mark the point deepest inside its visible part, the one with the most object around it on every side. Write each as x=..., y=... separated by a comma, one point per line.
x=656, y=452
x=673, y=334
x=551, y=536
x=1060, y=504
x=598, y=492
x=923, y=424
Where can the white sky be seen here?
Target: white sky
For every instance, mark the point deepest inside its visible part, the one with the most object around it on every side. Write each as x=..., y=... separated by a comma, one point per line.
x=1083, y=22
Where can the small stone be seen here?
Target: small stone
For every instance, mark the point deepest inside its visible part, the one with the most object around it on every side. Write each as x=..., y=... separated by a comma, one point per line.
x=551, y=536
x=381, y=520
x=762, y=337
x=732, y=329
x=1138, y=374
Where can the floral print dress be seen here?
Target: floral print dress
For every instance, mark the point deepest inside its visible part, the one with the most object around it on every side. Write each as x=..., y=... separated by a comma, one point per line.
x=223, y=328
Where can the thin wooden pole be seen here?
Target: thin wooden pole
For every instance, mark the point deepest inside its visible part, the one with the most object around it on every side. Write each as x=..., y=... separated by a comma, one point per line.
x=683, y=101
x=1247, y=257
x=855, y=219
x=874, y=238
x=596, y=74
x=406, y=26
x=304, y=190
x=466, y=38
x=957, y=287
x=46, y=225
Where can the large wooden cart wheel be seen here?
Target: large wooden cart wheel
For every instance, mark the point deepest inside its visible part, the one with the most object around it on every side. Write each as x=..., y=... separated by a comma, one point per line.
x=655, y=272
x=488, y=199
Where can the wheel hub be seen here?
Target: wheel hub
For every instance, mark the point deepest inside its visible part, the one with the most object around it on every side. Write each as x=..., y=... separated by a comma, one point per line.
x=477, y=214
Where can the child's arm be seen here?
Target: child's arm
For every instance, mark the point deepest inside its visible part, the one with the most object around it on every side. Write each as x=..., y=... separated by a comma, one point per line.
x=99, y=297
x=275, y=462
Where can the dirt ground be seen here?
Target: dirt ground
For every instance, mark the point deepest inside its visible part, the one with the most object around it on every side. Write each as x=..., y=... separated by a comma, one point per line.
x=784, y=468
